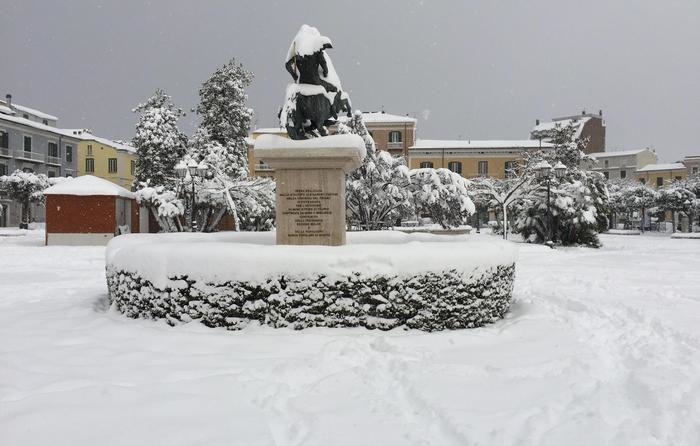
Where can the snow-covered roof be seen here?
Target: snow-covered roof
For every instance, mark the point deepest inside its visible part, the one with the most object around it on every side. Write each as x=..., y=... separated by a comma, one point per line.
x=381, y=117
x=575, y=121
x=38, y=125
x=88, y=185
x=86, y=135
x=6, y=110
x=620, y=153
x=657, y=167
x=37, y=113
x=479, y=144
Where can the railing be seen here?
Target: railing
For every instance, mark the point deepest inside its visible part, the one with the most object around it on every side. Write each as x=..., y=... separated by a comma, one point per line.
x=53, y=160
x=5, y=152
x=263, y=167
x=394, y=146
x=30, y=156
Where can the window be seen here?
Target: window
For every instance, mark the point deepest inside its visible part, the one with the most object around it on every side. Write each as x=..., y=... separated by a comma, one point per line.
x=4, y=140
x=3, y=169
x=394, y=136
x=455, y=166
x=133, y=167
x=426, y=165
x=90, y=165
x=623, y=174
x=643, y=180
x=51, y=174
x=89, y=150
x=606, y=175
x=695, y=168
x=607, y=163
x=511, y=169
x=679, y=178
x=112, y=165
x=69, y=174
x=69, y=154
x=25, y=116
x=45, y=122
x=27, y=143
x=483, y=167
x=659, y=181
x=53, y=149
x=27, y=170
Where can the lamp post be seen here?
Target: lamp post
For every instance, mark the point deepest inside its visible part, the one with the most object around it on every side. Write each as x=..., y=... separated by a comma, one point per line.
x=544, y=171
x=191, y=168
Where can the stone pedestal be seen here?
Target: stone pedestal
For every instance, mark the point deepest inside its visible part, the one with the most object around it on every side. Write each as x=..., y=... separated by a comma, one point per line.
x=310, y=177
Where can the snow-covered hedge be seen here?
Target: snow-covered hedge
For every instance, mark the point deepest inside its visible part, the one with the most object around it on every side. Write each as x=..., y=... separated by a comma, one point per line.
x=379, y=280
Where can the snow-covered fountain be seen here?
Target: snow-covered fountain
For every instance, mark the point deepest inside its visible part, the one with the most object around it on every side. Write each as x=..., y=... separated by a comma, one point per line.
x=310, y=272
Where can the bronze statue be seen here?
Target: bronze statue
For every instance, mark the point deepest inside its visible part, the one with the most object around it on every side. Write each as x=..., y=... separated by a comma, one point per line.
x=315, y=98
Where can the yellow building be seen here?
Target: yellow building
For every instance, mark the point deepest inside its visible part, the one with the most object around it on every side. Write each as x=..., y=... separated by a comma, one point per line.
x=471, y=158
x=105, y=158
x=659, y=174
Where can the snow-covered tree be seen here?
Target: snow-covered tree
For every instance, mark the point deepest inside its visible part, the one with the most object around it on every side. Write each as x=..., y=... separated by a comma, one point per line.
x=159, y=144
x=25, y=188
x=578, y=201
x=377, y=193
x=502, y=193
x=225, y=116
x=164, y=204
x=676, y=198
x=627, y=197
x=442, y=195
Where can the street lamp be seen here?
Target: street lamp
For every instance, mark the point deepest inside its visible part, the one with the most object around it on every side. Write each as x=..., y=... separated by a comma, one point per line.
x=191, y=169
x=544, y=171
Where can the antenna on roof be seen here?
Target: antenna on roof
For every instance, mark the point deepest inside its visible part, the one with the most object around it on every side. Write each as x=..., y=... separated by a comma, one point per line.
x=382, y=106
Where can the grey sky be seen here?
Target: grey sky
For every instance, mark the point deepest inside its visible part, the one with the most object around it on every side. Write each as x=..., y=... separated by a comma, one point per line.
x=466, y=69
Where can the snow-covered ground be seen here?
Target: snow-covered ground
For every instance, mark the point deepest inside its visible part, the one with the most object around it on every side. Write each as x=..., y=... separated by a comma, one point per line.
x=601, y=347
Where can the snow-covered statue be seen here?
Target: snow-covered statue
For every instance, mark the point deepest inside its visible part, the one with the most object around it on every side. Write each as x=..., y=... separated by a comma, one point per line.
x=316, y=97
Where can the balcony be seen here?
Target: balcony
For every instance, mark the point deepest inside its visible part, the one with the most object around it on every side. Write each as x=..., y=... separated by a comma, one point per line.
x=29, y=156
x=5, y=152
x=395, y=145
x=263, y=167
x=53, y=160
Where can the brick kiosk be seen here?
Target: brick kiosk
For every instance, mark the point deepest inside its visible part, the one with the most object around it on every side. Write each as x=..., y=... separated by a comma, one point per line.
x=88, y=211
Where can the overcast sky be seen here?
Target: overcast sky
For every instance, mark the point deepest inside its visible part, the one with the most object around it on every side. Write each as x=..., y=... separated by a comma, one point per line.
x=465, y=69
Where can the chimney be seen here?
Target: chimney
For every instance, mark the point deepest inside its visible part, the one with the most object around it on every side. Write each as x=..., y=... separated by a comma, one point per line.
x=8, y=99
x=600, y=113
x=537, y=122
x=583, y=112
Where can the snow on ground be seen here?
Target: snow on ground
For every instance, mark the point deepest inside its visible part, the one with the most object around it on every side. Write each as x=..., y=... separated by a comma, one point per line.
x=601, y=347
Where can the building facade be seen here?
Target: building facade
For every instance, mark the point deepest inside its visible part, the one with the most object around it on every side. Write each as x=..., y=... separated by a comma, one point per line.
x=29, y=141
x=622, y=165
x=587, y=126
x=471, y=158
x=104, y=158
x=658, y=175
x=692, y=164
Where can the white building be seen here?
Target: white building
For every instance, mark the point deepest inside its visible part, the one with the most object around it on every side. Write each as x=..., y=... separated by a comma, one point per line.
x=622, y=165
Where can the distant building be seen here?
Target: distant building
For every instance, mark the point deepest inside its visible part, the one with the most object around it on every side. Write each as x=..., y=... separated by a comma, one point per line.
x=587, y=125
x=472, y=158
x=659, y=174
x=622, y=165
x=30, y=141
x=392, y=133
x=692, y=164
x=104, y=158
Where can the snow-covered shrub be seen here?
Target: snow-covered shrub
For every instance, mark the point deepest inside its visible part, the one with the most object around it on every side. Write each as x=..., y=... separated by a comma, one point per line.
x=164, y=204
x=25, y=188
x=442, y=195
x=377, y=192
x=579, y=201
x=457, y=283
x=627, y=197
x=677, y=197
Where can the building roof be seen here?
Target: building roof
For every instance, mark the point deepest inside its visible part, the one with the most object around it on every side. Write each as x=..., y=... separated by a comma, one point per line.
x=37, y=113
x=619, y=153
x=578, y=121
x=38, y=125
x=479, y=144
x=382, y=117
x=86, y=135
x=658, y=167
x=88, y=185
